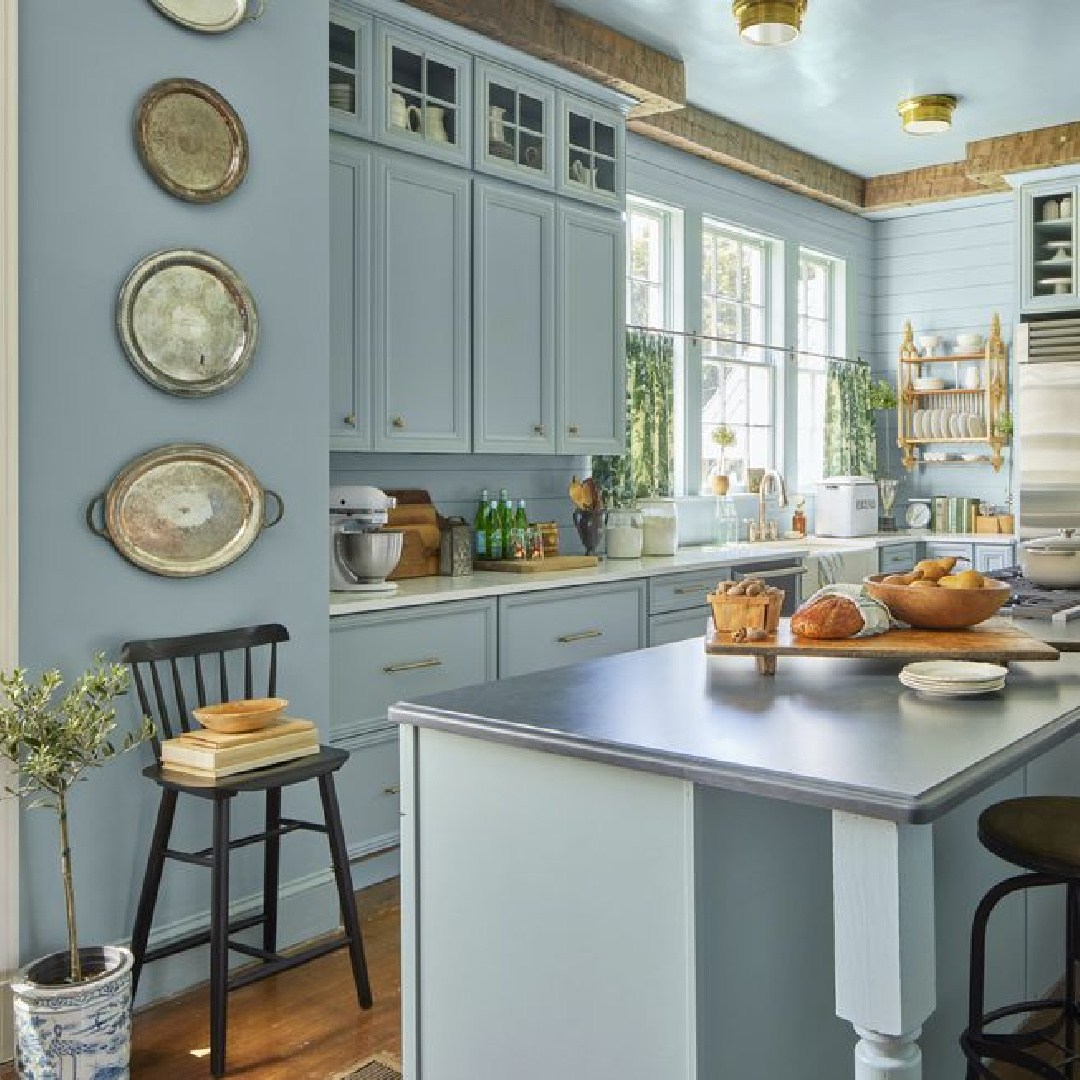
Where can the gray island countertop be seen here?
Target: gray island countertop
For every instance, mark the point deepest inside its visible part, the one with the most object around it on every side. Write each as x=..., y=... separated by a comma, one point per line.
x=842, y=734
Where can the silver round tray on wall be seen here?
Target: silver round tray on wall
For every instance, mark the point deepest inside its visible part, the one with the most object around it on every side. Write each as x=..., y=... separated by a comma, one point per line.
x=183, y=510
x=191, y=140
x=210, y=16
x=187, y=322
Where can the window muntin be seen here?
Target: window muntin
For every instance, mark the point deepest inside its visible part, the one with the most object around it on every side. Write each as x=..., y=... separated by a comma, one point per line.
x=648, y=279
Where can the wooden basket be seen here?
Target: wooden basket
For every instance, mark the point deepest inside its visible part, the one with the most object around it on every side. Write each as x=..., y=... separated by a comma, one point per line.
x=731, y=613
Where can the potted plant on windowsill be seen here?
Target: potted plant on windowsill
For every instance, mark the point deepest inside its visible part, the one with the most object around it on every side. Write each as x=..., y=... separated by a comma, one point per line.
x=72, y=1008
x=724, y=437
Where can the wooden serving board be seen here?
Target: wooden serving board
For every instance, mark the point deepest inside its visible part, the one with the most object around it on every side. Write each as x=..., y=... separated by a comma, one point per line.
x=994, y=641
x=540, y=566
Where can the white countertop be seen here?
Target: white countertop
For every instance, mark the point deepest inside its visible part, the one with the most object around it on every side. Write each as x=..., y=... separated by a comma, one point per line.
x=413, y=592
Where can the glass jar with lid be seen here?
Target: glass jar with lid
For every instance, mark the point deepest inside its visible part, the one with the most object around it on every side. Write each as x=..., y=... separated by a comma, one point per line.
x=625, y=535
x=660, y=525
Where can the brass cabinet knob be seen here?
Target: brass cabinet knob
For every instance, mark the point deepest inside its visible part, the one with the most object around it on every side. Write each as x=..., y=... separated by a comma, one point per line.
x=351, y=419
x=573, y=429
x=398, y=421
x=538, y=428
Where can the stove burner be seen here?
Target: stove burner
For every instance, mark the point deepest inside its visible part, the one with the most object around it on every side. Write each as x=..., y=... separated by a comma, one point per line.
x=1035, y=602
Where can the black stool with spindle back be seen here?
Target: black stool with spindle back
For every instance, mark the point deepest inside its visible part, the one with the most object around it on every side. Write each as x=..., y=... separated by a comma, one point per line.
x=165, y=661
x=1040, y=834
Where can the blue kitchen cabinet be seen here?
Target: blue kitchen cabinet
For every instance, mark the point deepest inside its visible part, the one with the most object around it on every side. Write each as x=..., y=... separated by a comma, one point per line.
x=590, y=331
x=421, y=290
x=350, y=294
x=591, y=152
x=513, y=320
x=350, y=70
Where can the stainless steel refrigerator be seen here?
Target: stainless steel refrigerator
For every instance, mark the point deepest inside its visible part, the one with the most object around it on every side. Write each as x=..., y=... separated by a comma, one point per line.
x=1046, y=417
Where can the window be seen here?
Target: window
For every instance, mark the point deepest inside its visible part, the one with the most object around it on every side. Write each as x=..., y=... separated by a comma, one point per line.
x=737, y=378
x=818, y=320
x=648, y=288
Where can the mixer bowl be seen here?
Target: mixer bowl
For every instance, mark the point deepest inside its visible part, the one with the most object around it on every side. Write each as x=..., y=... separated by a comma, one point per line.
x=368, y=557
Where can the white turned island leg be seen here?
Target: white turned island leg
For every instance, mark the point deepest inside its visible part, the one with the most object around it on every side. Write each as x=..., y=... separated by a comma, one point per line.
x=883, y=913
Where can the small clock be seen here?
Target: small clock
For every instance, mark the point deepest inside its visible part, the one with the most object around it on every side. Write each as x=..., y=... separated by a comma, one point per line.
x=918, y=515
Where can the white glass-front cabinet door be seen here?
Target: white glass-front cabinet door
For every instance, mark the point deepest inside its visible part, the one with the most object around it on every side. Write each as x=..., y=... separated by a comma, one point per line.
x=351, y=183
x=423, y=95
x=514, y=320
x=590, y=331
x=1048, y=215
x=514, y=125
x=421, y=287
x=350, y=72
x=591, y=152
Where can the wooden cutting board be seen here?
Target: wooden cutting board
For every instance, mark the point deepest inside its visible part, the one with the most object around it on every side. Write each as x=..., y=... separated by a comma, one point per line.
x=418, y=519
x=994, y=641
x=540, y=566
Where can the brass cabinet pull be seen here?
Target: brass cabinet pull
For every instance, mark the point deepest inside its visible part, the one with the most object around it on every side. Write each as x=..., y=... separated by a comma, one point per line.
x=398, y=421
x=566, y=639
x=538, y=428
x=687, y=590
x=394, y=789
x=412, y=665
x=573, y=429
x=351, y=419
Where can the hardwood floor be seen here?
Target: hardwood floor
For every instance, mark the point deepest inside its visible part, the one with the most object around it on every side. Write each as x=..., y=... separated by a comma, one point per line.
x=302, y=1025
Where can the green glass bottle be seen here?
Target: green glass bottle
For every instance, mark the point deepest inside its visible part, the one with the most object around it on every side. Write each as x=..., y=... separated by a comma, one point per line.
x=494, y=531
x=506, y=520
x=480, y=527
x=520, y=531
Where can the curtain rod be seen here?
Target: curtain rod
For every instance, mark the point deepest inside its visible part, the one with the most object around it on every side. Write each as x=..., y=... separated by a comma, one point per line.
x=749, y=344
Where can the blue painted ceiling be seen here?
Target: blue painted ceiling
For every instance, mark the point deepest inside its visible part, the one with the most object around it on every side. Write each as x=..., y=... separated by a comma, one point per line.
x=833, y=93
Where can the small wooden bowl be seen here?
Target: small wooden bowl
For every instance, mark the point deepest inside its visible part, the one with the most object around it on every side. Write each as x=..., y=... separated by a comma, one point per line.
x=237, y=717
x=939, y=609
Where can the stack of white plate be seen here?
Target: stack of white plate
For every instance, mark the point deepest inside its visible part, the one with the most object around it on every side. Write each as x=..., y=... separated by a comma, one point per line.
x=341, y=95
x=953, y=678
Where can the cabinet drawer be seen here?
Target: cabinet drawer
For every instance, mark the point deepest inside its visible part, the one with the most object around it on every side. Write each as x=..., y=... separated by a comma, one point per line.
x=990, y=557
x=380, y=658
x=368, y=792
x=937, y=549
x=565, y=626
x=679, y=625
x=897, y=558
x=676, y=592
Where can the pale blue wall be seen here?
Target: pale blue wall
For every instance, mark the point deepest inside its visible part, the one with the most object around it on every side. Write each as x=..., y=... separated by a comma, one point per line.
x=948, y=269
x=89, y=213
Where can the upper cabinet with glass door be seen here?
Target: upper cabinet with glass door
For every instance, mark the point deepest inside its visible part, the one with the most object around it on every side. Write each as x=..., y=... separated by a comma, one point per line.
x=590, y=152
x=1048, y=236
x=423, y=95
x=515, y=122
x=350, y=71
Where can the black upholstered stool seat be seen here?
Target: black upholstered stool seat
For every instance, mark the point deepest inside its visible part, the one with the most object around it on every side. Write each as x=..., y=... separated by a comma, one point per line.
x=1039, y=833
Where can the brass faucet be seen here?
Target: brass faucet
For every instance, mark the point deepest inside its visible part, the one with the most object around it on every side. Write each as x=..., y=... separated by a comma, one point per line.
x=771, y=478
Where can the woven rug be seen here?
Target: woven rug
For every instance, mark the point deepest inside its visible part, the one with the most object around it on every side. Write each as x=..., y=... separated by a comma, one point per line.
x=379, y=1067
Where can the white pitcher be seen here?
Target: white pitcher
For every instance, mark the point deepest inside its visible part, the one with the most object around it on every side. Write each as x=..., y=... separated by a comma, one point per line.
x=435, y=124
x=497, y=124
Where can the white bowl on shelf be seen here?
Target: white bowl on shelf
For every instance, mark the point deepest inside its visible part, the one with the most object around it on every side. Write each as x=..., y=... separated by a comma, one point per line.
x=969, y=342
x=929, y=384
x=928, y=343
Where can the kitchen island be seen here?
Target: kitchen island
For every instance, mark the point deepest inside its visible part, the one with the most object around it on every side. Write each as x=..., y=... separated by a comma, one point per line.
x=663, y=864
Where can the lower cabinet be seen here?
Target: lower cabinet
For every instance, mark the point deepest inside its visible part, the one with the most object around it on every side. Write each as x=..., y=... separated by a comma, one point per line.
x=368, y=790
x=897, y=558
x=679, y=625
x=982, y=557
x=677, y=606
x=550, y=629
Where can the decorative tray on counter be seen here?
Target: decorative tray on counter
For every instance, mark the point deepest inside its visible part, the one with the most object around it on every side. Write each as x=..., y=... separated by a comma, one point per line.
x=994, y=640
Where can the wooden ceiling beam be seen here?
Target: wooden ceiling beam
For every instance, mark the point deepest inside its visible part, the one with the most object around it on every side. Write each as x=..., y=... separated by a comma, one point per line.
x=726, y=143
x=539, y=28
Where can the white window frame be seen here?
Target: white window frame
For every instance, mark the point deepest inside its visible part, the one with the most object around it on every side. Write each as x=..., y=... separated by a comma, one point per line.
x=835, y=344
x=663, y=216
x=772, y=360
x=9, y=486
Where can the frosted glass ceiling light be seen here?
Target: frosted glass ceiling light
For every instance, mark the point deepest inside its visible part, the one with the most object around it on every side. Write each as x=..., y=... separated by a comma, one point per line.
x=927, y=114
x=769, y=22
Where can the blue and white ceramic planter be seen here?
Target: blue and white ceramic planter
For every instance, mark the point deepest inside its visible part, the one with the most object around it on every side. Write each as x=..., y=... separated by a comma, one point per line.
x=74, y=1032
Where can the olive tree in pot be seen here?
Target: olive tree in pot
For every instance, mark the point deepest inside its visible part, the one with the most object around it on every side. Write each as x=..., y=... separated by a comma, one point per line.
x=72, y=1008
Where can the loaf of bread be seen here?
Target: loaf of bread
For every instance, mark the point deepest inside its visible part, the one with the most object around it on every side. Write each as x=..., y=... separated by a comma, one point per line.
x=828, y=617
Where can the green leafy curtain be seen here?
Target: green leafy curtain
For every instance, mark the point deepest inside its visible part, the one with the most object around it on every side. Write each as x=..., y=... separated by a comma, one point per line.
x=849, y=421
x=647, y=468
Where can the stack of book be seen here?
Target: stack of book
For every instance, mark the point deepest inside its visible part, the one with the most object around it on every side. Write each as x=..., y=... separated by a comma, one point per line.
x=954, y=514
x=214, y=755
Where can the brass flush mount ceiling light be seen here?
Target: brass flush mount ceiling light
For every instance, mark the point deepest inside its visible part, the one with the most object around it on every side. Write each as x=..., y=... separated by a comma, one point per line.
x=769, y=22
x=927, y=114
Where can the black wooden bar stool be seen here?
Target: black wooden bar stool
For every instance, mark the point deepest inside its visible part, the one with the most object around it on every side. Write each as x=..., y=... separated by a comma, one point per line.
x=179, y=661
x=1041, y=834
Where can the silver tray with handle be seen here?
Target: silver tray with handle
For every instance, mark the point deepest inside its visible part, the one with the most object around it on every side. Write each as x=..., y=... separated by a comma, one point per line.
x=210, y=16
x=183, y=510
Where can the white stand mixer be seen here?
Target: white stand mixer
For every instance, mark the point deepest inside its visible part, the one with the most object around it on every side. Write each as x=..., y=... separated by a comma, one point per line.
x=362, y=550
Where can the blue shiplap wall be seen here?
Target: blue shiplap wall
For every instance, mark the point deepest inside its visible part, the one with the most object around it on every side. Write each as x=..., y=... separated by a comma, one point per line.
x=948, y=269
x=89, y=213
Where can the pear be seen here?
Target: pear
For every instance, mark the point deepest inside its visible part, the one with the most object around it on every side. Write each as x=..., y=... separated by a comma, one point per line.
x=970, y=579
x=933, y=569
x=951, y=581
x=924, y=583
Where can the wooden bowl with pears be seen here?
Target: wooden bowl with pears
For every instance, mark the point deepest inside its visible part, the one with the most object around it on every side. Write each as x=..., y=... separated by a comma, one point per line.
x=932, y=597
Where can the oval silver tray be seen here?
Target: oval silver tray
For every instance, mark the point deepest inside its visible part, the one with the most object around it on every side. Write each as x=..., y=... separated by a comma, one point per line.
x=183, y=510
x=209, y=16
x=191, y=140
x=187, y=322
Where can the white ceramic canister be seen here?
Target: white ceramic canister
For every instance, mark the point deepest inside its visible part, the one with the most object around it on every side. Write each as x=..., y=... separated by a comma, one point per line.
x=625, y=536
x=660, y=524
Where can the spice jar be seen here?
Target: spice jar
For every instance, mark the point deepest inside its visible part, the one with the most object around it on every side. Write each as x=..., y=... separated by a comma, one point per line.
x=625, y=535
